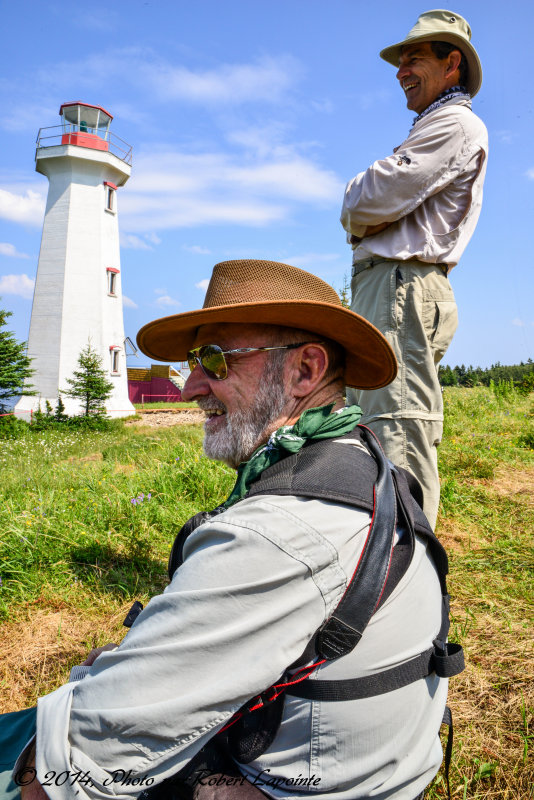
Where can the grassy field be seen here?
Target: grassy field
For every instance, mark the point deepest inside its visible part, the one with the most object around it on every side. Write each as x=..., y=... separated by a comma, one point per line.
x=87, y=520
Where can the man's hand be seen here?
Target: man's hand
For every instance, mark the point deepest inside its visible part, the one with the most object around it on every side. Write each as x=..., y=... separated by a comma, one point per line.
x=93, y=655
x=33, y=790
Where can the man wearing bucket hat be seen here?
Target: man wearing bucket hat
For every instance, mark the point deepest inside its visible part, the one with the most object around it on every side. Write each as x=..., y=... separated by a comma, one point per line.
x=277, y=584
x=409, y=218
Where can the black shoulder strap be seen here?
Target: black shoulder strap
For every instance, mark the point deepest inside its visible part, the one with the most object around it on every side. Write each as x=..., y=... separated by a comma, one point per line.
x=342, y=632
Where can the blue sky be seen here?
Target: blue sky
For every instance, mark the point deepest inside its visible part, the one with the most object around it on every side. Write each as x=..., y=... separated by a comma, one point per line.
x=246, y=120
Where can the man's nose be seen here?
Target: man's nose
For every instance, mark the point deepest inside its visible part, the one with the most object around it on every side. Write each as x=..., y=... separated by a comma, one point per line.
x=196, y=385
x=402, y=72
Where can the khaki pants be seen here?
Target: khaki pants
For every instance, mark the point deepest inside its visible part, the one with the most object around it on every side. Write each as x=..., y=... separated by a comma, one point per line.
x=413, y=305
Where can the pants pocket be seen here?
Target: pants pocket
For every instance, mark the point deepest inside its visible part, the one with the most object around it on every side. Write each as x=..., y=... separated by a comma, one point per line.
x=440, y=320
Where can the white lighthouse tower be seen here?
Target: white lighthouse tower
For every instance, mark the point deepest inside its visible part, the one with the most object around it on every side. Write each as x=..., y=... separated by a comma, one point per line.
x=78, y=296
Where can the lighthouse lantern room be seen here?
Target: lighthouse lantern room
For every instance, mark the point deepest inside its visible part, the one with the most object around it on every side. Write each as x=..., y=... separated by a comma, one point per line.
x=78, y=292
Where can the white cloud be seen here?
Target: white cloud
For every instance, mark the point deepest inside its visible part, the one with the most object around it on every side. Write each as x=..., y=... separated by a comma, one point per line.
x=20, y=285
x=126, y=301
x=323, y=106
x=27, y=116
x=11, y=251
x=530, y=174
x=197, y=250
x=176, y=189
x=102, y=21
x=203, y=284
x=265, y=81
x=132, y=242
x=518, y=322
x=26, y=208
x=165, y=301
x=505, y=136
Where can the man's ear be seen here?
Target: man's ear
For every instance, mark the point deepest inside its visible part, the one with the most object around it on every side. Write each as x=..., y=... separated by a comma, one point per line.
x=453, y=62
x=308, y=367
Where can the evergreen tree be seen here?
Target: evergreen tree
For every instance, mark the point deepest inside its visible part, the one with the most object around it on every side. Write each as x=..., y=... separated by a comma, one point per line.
x=89, y=383
x=15, y=365
x=344, y=292
x=59, y=414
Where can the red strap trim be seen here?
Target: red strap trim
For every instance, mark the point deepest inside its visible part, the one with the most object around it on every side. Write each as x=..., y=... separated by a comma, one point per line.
x=111, y=185
x=113, y=269
x=278, y=689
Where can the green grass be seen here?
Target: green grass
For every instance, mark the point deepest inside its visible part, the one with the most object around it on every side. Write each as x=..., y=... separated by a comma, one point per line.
x=85, y=514
x=75, y=551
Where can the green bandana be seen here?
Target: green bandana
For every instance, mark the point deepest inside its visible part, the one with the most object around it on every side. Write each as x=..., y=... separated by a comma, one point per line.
x=314, y=424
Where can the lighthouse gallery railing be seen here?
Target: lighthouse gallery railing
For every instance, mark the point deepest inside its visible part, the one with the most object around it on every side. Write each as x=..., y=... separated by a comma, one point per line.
x=85, y=137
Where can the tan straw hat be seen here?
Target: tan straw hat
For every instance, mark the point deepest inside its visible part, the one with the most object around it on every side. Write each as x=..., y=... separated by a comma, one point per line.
x=270, y=293
x=440, y=25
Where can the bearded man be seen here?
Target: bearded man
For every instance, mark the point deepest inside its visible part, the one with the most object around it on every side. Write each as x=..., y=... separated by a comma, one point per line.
x=408, y=218
x=276, y=585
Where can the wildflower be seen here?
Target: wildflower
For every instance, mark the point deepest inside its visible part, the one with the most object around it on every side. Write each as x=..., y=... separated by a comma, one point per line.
x=149, y=495
x=133, y=501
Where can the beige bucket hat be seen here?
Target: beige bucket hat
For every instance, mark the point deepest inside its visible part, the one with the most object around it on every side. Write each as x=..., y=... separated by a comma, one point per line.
x=271, y=293
x=440, y=25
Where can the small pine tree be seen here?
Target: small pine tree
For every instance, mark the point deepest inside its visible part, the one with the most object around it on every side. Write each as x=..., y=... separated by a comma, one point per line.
x=89, y=383
x=15, y=365
x=344, y=292
x=59, y=414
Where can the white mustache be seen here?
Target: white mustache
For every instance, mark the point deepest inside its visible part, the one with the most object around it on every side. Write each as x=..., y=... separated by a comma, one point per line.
x=210, y=404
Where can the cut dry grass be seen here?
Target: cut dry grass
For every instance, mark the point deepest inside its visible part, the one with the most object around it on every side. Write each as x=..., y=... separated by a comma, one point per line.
x=44, y=642
x=486, y=524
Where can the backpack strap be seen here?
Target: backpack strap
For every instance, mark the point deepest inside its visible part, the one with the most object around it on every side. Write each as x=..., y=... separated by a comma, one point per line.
x=341, y=633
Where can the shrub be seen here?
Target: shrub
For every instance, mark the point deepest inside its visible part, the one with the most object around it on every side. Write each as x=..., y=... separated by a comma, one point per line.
x=503, y=390
x=11, y=427
x=526, y=439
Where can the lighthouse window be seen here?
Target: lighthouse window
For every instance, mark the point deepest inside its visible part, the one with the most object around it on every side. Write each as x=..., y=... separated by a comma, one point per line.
x=115, y=361
x=112, y=282
x=110, y=199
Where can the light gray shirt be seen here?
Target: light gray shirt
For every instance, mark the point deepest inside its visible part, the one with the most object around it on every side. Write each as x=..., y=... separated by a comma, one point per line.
x=256, y=583
x=430, y=188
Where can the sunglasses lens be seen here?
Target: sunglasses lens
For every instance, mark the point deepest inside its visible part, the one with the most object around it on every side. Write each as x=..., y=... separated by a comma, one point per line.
x=211, y=359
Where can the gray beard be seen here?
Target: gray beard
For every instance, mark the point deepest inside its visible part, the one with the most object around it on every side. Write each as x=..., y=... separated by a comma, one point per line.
x=245, y=428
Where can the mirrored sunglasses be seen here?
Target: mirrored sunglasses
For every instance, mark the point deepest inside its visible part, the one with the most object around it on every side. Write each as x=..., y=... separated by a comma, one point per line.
x=211, y=357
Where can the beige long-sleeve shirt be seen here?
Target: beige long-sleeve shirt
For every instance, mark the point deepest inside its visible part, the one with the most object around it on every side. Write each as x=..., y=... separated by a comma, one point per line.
x=430, y=189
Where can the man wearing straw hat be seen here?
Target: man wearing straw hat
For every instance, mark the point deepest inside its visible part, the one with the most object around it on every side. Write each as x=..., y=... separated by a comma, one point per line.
x=320, y=563
x=409, y=217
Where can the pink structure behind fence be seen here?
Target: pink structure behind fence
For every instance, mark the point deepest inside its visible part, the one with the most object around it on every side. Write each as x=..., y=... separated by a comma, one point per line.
x=157, y=383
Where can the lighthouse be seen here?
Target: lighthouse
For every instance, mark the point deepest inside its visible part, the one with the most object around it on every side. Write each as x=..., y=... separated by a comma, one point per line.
x=78, y=295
